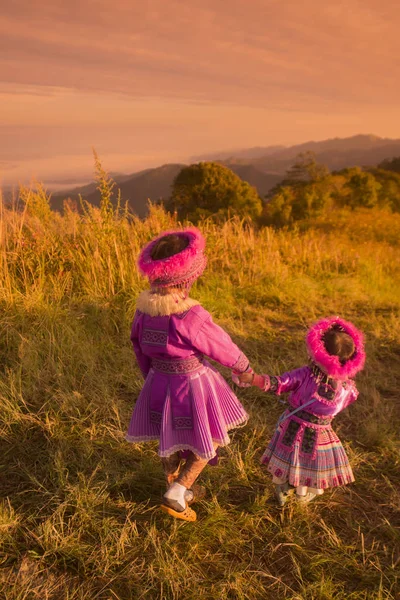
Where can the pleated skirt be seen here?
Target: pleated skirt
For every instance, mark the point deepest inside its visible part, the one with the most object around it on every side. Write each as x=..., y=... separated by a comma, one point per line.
x=211, y=407
x=329, y=468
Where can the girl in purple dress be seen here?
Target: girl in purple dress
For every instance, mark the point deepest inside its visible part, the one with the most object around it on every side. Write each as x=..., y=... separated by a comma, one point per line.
x=185, y=403
x=305, y=453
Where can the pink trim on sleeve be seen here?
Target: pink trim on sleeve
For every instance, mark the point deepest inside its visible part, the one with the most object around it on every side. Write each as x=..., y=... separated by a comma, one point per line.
x=241, y=365
x=262, y=381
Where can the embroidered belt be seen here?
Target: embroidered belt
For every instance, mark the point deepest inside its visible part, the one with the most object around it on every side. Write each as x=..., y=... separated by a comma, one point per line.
x=177, y=366
x=306, y=416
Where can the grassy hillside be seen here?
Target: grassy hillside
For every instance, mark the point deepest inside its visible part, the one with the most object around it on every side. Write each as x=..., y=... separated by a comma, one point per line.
x=78, y=505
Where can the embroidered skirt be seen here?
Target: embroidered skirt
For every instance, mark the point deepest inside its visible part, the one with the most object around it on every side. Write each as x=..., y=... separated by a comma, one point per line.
x=186, y=408
x=307, y=454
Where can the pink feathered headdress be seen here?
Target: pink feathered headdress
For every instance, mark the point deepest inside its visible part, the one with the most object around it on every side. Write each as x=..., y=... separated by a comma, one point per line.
x=182, y=268
x=328, y=363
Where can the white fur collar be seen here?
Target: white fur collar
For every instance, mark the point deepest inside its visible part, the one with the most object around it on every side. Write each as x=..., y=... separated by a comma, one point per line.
x=158, y=305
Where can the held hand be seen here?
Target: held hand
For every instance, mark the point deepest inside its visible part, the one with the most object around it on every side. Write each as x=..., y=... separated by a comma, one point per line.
x=243, y=380
x=246, y=377
x=250, y=378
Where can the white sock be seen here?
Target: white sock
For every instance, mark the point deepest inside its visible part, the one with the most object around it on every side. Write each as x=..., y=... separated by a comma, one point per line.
x=302, y=490
x=176, y=492
x=189, y=495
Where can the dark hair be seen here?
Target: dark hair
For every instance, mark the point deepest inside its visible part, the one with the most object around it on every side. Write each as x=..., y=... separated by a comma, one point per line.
x=339, y=343
x=168, y=246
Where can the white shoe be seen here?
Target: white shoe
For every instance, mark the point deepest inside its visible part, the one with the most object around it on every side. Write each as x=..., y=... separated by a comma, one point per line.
x=282, y=492
x=307, y=498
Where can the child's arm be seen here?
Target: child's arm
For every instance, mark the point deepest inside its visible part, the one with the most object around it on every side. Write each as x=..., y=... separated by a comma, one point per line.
x=212, y=341
x=352, y=392
x=264, y=382
x=143, y=361
x=287, y=382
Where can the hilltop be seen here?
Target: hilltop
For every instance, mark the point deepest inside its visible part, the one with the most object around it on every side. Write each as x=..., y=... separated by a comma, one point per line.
x=79, y=505
x=337, y=153
x=261, y=167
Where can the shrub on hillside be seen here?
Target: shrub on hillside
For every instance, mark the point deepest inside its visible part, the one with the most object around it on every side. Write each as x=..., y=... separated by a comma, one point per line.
x=310, y=191
x=208, y=189
x=389, y=192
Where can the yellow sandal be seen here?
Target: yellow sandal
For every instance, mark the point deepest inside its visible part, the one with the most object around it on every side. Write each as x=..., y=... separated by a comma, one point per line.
x=186, y=515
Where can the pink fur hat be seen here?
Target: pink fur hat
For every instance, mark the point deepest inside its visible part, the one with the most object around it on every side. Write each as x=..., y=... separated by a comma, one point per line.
x=182, y=268
x=329, y=363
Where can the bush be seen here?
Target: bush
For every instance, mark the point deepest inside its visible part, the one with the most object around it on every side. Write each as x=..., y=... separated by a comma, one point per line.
x=208, y=189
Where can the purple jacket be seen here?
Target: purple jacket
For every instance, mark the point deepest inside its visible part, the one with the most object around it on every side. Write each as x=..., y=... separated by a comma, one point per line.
x=182, y=336
x=303, y=386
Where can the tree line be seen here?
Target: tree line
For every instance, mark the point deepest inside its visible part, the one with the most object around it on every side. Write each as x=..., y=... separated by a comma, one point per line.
x=308, y=190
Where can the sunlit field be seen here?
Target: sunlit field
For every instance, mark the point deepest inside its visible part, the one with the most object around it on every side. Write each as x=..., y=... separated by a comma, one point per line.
x=79, y=515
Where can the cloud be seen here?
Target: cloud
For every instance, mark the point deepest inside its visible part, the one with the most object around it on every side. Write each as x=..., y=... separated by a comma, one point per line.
x=253, y=53
x=172, y=79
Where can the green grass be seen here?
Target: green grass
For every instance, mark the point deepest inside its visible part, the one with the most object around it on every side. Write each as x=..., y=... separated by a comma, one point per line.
x=78, y=505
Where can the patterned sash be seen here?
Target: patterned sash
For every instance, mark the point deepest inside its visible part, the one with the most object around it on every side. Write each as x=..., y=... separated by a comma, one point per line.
x=181, y=366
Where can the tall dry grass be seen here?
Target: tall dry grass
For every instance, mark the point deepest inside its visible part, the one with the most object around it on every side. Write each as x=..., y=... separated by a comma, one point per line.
x=78, y=505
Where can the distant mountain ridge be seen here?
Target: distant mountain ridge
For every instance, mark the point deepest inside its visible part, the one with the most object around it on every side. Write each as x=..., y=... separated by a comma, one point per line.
x=155, y=184
x=137, y=189
x=251, y=153
x=262, y=167
x=337, y=153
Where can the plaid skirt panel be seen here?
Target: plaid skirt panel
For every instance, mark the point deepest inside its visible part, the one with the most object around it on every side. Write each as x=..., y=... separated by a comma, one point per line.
x=328, y=465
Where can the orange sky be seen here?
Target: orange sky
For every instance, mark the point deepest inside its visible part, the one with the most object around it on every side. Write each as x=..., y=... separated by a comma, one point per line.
x=159, y=81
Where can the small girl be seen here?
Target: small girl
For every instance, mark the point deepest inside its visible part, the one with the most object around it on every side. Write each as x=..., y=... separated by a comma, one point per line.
x=185, y=403
x=305, y=453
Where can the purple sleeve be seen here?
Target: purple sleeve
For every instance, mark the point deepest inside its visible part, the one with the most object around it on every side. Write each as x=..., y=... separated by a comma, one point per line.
x=142, y=360
x=352, y=394
x=290, y=381
x=215, y=343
